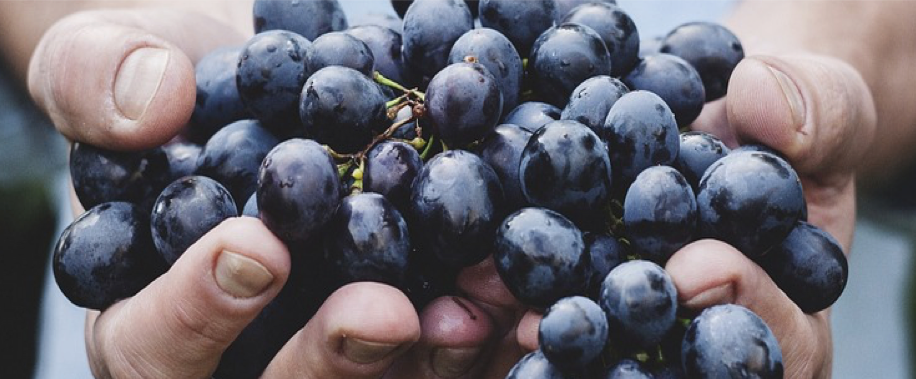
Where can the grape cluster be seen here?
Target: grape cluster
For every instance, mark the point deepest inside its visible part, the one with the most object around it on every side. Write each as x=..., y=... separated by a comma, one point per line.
x=545, y=137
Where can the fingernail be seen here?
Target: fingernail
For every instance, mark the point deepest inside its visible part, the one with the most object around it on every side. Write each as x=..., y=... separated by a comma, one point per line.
x=360, y=351
x=138, y=80
x=241, y=276
x=453, y=362
x=792, y=94
x=723, y=294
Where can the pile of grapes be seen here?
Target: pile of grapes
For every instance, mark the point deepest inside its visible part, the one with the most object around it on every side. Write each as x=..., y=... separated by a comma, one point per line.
x=401, y=152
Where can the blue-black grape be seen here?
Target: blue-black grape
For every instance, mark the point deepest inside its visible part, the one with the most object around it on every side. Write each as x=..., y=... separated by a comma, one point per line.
x=390, y=170
x=339, y=49
x=672, y=79
x=234, y=154
x=342, y=108
x=640, y=301
x=730, y=341
x=659, y=213
x=628, y=369
x=535, y=365
x=532, y=115
x=431, y=27
x=541, y=257
x=564, y=6
x=251, y=206
x=185, y=211
x=591, y=101
x=809, y=266
x=218, y=103
x=605, y=252
x=617, y=30
x=640, y=132
x=101, y=175
x=572, y=332
x=564, y=57
x=309, y=19
x=751, y=200
x=385, y=44
x=565, y=167
x=711, y=49
x=698, y=151
x=463, y=103
x=650, y=46
x=182, y=158
x=502, y=150
x=521, y=21
x=271, y=72
x=494, y=51
x=298, y=189
x=376, y=19
x=105, y=255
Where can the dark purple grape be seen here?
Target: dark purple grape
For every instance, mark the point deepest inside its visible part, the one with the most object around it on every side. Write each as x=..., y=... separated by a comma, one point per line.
x=218, y=102
x=185, y=211
x=535, y=365
x=650, y=46
x=390, y=170
x=271, y=72
x=564, y=6
x=669, y=372
x=101, y=176
x=494, y=51
x=502, y=150
x=564, y=57
x=368, y=241
x=605, y=252
x=751, y=200
x=251, y=206
x=616, y=29
x=640, y=301
x=541, y=257
x=809, y=266
x=572, y=332
x=672, y=79
x=463, y=103
x=407, y=131
x=339, y=49
x=385, y=45
x=565, y=167
x=431, y=27
x=234, y=154
x=182, y=158
x=698, y=151
x=298, y=189
x=730, y=341
x=659, y=213
x=456, y=203
x=591, y=101
x=105, y=255
x=711, y=49
x=521, y=21
x=532, y=115
x=640, y=132
x=309, y=18
x=628, y=369
x=342, y=108
x=374, y=19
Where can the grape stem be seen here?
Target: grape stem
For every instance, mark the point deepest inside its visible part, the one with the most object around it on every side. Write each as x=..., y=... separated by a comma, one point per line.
x=381, y=79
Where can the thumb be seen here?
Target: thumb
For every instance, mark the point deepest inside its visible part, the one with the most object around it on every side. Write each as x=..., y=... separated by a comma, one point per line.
x=179, y=325
x=122, y=80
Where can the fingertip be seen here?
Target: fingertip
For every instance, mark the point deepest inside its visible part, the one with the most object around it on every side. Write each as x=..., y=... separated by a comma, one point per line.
x=706, y=273
x=765, y=105
x=528, y=329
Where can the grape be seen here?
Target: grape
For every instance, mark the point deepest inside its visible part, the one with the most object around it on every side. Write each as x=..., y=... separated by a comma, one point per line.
x=628, y=369
x=400, y=6
x=541, y=257
x=368, y=241
x=729, y=341
x=463, y=103
x=605, y=252
x=616, y=29
x=809, y=266
x=456, y=202
x=298, y=189
x=385, y=45
x=105, y=255
x=564, y=6
x=535, y=365
x=390, y=170
x=640, y=301
x=751, y=200
x=185, y=211
x=591, y=101
x=101, y=176
x=640, y=132
x=659, y=213
x=565, y=167
x=234, y=154
x=698, y=151
x=251, y=206
x=218, y=103
x=384, y=20
x=672, y=79
x=494, y=51
x=650, y=46
x=339, y=49
x=563, y=57
x=407, y=131
x=183, y=158
x=711, y=49
x=521, y=21
x=502, y=150
x=271, y=72
x=342, y=108
x=310, y=18
x=532, y=115
x=431, y=27
x=572, y=332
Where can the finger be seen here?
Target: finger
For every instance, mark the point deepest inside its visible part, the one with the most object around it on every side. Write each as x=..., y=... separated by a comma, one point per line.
x=179, y=325
x=357, y=333
x=527, y=331
x=122, y=80
x=710, y=272
x=482, y=285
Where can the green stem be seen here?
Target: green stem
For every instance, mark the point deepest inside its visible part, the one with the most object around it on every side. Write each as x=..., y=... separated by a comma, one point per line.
x=395, y=102
x=381, y=79
x=426, y=150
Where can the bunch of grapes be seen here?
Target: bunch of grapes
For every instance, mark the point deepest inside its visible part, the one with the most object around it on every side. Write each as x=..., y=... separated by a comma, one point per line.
x=545, y=137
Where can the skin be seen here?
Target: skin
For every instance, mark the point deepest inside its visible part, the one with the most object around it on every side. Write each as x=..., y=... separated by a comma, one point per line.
x=852, y=119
